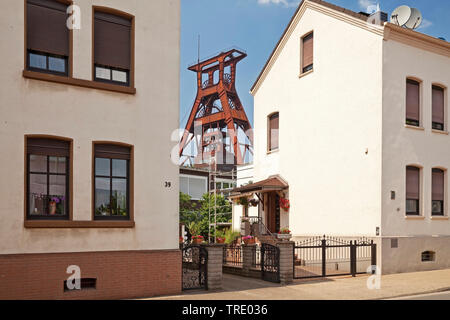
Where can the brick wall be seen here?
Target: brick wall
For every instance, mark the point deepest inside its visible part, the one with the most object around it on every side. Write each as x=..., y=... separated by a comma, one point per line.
x=121, y=274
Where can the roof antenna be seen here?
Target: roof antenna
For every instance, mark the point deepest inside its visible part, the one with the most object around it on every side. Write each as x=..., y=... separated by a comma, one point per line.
x=198, y=61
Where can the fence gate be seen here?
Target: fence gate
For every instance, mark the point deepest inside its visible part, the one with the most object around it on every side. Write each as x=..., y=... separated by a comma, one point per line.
x=270, y=263
x=328, y=256
x=195, y=266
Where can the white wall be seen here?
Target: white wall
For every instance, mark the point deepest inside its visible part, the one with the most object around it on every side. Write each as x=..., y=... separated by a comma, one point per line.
x=244, y=175
x=145, y=120
x=328, y=119
x=404, y=146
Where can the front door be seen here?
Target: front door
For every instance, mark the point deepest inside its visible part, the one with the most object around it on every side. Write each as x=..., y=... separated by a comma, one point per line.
x=273, y=212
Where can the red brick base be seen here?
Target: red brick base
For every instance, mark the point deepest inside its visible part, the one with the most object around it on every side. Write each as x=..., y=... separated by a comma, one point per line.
x=120, y=275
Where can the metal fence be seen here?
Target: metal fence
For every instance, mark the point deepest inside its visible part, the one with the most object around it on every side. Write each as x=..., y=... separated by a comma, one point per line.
x=328, y=256
x=232, y=255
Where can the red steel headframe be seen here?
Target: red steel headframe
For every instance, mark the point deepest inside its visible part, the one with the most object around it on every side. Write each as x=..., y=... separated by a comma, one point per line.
x=228, y=117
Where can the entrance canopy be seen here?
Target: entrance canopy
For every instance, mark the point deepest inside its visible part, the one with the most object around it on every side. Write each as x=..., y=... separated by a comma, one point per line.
x=274, y=183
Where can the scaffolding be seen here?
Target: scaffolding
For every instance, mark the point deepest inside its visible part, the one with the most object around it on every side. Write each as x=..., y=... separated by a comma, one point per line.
x=214, y=177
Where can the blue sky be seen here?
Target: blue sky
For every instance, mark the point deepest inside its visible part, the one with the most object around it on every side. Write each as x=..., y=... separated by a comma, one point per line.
x=256, y=26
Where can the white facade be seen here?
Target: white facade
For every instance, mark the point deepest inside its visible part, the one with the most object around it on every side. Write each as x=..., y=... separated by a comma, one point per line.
x=343, y=143
x=244, y=175
x=144, y=120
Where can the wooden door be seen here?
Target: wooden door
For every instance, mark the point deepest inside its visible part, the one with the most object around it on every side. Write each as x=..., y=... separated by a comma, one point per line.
x=273, y=212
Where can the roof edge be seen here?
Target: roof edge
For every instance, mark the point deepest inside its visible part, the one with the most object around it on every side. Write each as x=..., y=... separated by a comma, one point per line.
x=350, y=16
x=417, y=39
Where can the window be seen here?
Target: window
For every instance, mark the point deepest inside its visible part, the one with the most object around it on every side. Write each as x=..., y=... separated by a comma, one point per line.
x=112, y=48
x=195, y=187
x=307, y=52
x=428, y=256
x=438, y=108
x=412, y=102
x=48, y=179
x=412, y=190
x=47, y=37
x=273, y=131
x=437, y=192
x=112, y=182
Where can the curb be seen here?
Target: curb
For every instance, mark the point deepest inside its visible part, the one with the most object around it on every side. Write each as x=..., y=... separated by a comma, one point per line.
x=415, y=294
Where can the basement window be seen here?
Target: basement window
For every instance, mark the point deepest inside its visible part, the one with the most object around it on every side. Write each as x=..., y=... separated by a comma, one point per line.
x=428, y=256
x=85, y=283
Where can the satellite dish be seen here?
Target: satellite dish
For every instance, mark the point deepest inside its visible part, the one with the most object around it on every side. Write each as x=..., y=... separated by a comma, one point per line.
x=415, y=20
x=401, y=15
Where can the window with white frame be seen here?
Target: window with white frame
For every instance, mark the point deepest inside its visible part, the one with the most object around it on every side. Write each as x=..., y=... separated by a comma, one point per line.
x=193, y=186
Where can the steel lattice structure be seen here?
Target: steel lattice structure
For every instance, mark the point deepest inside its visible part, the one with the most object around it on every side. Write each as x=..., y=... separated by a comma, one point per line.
x=217, y=114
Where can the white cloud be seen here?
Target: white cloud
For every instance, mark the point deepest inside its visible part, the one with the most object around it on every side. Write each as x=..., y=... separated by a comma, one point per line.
x=284, y=3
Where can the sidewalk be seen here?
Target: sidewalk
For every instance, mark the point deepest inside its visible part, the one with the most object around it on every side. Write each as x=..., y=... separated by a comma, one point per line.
x=343, y=288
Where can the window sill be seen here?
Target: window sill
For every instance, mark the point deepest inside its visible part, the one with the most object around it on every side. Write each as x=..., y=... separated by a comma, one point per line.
x=414, y=127
x=78, y=224
x=305, y=73
x=273, y=151
x=77, y=82
x=439, y=131
x=414, y=218
x=439, y=218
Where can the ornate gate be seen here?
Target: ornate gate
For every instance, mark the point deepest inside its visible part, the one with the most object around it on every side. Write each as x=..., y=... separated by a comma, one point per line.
x=195, y=266
x=270, y=263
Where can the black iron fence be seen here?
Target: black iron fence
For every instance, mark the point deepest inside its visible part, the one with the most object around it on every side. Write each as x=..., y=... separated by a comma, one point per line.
x=232, y=255
x=329, y=256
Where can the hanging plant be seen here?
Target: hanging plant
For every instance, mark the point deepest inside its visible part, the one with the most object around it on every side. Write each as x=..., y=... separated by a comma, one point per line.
x=254, y=202
x=243, y=201
x=285, y=204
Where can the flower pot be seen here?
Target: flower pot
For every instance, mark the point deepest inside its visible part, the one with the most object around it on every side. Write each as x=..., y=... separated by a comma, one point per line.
x=52, y=208
x=249, y=241
x=197, y=241
x=220, y=240
x=285, y=236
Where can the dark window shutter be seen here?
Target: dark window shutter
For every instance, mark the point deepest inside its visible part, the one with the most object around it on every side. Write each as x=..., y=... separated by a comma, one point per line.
x=50, y=147
x=438, y=185
x=438, y=104
x=46, y=27
x=112, y=41
x=112, y=151
x=308, y=49
x=412, y=183
x=412, y=100
x=274, y=131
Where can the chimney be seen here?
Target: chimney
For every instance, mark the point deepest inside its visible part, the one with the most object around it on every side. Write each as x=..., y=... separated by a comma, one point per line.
x=378, y=17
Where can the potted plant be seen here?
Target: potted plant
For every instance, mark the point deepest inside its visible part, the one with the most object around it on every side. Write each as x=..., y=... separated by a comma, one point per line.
x=249, y=240
x=220, y=237
x=55, y=205
x=194, y=229
x=254, y=202
x=284, y=234
x=231, y=236
x=243, y=201
x=285, y=204
x=197, y=239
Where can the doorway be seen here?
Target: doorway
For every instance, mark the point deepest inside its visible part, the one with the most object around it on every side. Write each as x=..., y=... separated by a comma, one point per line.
x=273, y=212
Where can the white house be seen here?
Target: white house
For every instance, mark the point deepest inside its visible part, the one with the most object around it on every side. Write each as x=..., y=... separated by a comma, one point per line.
x=352, y=114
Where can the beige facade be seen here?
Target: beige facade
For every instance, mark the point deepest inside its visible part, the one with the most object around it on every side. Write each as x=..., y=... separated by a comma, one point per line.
x=343, y=143
x=77, y=108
